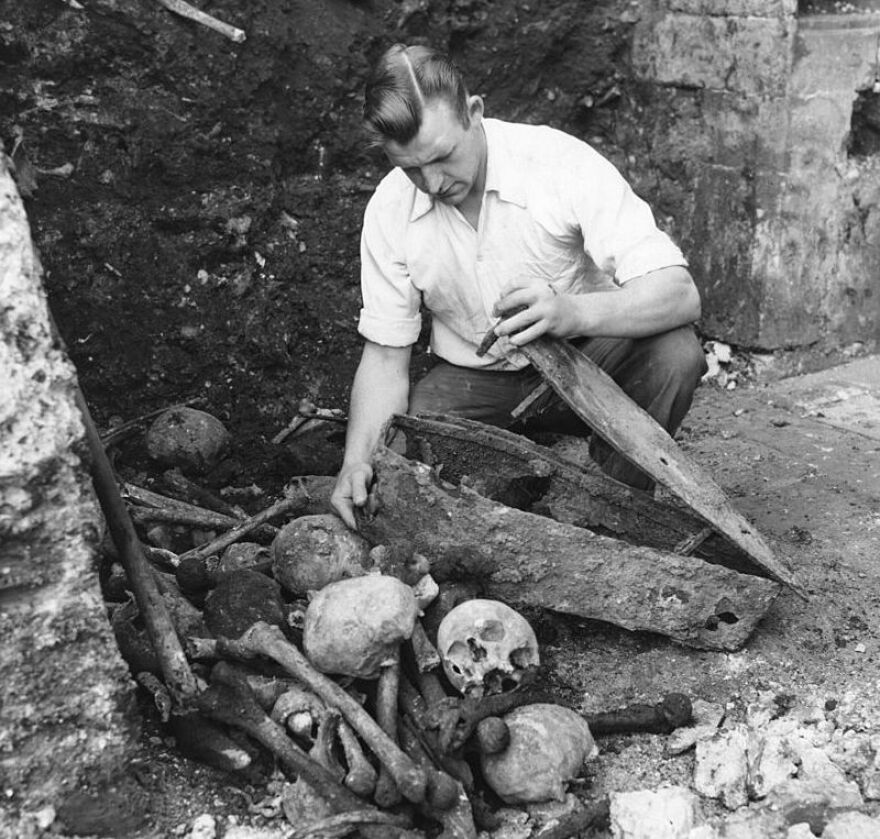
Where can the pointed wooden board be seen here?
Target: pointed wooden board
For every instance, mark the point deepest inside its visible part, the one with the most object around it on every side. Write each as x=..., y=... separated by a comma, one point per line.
x=597, y=399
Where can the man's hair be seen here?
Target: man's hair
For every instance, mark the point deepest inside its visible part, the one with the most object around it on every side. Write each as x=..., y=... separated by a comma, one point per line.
x=403, y=81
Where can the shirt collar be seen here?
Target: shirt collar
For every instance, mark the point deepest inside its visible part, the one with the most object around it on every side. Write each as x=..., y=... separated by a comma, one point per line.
x=501, y=172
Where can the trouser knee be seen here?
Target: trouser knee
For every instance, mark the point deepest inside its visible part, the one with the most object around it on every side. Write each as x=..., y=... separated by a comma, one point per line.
x=676, y=356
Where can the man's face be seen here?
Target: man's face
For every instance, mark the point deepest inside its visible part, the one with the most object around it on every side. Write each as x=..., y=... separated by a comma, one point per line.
x=445, y=159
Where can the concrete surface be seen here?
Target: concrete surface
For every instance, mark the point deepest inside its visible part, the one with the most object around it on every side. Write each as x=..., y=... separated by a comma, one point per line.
x=800, y=458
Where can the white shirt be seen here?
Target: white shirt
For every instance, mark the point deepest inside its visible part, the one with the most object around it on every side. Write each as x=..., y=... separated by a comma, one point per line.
x=554, y=211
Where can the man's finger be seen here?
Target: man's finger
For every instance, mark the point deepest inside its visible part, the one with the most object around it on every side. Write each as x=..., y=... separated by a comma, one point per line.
x=347, y=515
x=344, y=509
x=515, y=323
x=359, y=484
x=526, y=335
x=511, y=303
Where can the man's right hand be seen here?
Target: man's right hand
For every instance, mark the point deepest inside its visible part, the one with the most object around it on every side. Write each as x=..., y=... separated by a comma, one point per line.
x=352, y=486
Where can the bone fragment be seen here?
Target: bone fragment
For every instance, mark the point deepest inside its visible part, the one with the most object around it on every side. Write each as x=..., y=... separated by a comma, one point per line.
x=242, y=528
x=191, y=13
x=189, y=491
x=446, y=801
x=342, y=824
x=263, y=639
x=361, y=777
x=414, y=708
x=673, y=712
x=387, y=794
x=161, y=698
x=233, y=703
x=113, y=435
x=425, y=653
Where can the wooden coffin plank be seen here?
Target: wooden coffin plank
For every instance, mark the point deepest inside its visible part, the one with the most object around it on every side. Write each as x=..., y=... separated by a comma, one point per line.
x=526, y=559
x=513, y=470
x=595, y=397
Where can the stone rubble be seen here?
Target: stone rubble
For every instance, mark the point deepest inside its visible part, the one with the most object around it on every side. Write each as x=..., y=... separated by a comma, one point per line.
x=783, y=773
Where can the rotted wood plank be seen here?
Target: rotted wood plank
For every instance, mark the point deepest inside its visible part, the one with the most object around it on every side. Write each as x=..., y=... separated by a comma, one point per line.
x=526, y=559
x=513, y=470
x=594, y=396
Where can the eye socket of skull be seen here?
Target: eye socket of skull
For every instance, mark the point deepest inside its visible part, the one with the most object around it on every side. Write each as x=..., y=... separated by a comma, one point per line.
x=521, y=658
x=457, y=653
x=491, y=630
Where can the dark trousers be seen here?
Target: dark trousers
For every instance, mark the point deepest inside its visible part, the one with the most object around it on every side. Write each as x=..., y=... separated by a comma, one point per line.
x=660, y=373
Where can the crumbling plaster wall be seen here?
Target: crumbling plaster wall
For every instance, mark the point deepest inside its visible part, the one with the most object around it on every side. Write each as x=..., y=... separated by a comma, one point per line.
x=749, y=104
x=64, y=690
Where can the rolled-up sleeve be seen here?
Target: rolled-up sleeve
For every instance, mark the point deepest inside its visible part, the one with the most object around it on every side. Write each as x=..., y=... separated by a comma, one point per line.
x=391, y=304
x=619, y=230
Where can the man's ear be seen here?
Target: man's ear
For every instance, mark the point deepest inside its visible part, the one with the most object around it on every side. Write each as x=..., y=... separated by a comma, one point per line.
x=475, y=108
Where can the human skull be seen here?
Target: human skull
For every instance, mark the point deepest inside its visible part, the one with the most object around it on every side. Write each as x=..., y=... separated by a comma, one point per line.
x=354, y=627
x=547, y=747
x=486, y=647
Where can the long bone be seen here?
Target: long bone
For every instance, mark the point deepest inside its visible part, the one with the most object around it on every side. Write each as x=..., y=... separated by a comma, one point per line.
x=387, y=794
x=447, y=801
x=269, y=641
x=229, y=700
x=361, y=776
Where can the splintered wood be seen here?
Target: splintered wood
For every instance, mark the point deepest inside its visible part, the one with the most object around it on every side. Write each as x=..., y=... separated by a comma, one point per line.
x=526, y=559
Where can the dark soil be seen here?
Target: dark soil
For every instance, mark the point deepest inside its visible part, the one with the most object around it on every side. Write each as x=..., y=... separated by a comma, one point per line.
x=196, y=205
x=203, y=241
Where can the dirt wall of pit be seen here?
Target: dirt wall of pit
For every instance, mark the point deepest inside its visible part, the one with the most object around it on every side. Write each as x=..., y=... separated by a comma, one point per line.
x=65, y=696
x=175, y=177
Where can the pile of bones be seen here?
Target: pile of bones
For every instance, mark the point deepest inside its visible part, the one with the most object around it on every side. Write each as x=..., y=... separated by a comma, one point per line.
x=393, y=706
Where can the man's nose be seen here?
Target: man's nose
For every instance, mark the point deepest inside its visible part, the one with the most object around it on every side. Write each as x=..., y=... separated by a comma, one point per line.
x=433, y=179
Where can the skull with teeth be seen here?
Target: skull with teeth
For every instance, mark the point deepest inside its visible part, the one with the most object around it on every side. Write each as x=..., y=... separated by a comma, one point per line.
x=486, y=647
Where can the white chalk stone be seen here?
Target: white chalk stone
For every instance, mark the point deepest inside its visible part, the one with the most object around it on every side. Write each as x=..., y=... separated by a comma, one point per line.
x=721, y=770
x=664, y=813
x=771, y=761
x=240, y=831
x=818, y=781
x=851, y=751
x=204, y=827
x=852, y=825
x=707, y=716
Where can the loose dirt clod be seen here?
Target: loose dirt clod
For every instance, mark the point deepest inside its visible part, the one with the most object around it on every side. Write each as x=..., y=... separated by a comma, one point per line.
x=240, y=600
